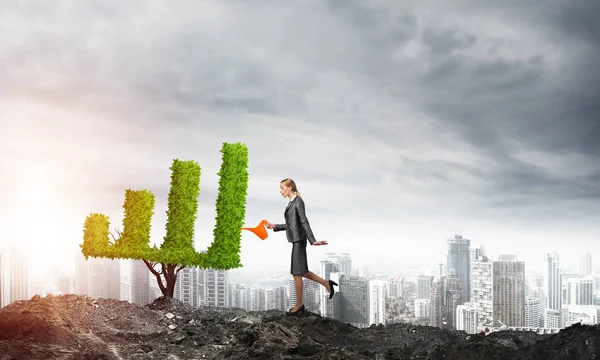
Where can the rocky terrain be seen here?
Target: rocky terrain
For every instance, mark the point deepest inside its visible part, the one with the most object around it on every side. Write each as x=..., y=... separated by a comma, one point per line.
x=79, y=327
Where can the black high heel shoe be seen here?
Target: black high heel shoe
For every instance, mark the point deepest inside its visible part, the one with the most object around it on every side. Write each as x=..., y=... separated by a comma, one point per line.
x=331, y=283
x=295, y=313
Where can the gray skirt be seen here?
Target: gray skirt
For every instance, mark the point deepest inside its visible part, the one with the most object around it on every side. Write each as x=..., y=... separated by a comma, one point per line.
x=299, y=260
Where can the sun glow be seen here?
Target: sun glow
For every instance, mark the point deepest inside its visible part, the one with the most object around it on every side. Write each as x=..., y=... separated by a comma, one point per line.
x=37, y=226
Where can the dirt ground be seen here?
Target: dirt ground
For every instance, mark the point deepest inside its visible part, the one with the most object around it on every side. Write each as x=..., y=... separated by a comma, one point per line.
x=79, y=327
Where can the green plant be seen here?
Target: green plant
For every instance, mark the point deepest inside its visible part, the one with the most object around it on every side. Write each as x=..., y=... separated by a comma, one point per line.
x=176, y=251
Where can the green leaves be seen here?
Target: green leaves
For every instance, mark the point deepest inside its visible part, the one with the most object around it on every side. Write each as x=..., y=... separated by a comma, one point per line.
x=95, y=235
x=224, y=252
x=183, y=206
x=139, y=209
x=177, y=249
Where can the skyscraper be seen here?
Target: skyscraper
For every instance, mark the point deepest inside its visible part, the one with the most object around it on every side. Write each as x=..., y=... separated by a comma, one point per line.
x=474, y=254
x=532, y=313
x=332, y=268
x=458, y=258
x=2, y=281
x=81, y=274
x=483, y=288
x=424, y=286
x=580, y=291
x=310, y=295
x=104, y=278
x=453, y=297
x=216, y=285
x=499, y=290
x=253, y=298
x=553, y=282
x=281, y=299
x=186, y=288
x=377, y=311
x=139, y=282
x=509, y=291
x=396, y=288
x=437, y=303
x=422, y=308
x=354, y=294
x=268, y=301
x=18, y=274
x=336, y=263
x=467, y=318
x=586, y=265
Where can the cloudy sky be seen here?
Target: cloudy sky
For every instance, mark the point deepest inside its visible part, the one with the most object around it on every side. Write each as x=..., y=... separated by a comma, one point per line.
x=402, y=123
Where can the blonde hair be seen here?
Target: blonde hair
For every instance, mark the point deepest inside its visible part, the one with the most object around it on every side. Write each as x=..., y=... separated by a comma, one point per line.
x=289, y=182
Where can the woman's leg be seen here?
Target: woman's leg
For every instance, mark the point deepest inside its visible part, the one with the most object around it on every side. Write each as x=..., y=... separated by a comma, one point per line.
x=314, y=277
x=298, y=284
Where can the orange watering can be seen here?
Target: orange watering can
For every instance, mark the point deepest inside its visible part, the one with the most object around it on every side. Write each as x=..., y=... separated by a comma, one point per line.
x=259, y=230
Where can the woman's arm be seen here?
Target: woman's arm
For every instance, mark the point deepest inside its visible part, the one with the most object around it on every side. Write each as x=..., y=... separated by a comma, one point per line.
x=275, y=227
x=304, y=221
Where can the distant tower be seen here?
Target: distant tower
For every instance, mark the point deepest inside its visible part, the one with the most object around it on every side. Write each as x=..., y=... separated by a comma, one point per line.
x=458, y=258
x=310, y=295
x=424, y=286
x=354, y=293
x=437, y=310
x=483, y=288
x=580, y=291
x=553, y=282
x=139, y=283
x=474, y=254
x=441, y=269
x=332, y=268
x=104, y=279
x=508, y=278
x=532, y=313
x=586, y=264
x=216, y=285
x=376, y=301
x=453, y=297
x=18, y=274
x=467, y=318
x=81, y=274
x=2, y=281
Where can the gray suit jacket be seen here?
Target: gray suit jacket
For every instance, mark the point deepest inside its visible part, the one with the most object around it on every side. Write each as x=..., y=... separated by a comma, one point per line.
x=296, y=224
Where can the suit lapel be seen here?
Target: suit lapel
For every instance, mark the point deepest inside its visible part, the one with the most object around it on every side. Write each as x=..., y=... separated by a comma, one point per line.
x=289, y=205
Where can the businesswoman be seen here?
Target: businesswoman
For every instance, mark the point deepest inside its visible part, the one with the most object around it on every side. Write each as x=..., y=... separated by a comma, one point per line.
x=297, y=229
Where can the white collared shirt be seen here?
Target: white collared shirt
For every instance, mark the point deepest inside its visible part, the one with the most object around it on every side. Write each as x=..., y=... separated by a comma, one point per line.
x=293, y=197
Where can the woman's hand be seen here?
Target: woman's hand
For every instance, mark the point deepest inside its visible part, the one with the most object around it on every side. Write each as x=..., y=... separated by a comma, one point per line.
x=269, y=225
x=320, y=242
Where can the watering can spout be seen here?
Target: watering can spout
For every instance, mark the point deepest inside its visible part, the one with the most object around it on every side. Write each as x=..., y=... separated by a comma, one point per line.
x=259, y=230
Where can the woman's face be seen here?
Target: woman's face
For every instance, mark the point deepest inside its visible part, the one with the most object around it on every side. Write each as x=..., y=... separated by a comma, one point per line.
x=284, y=190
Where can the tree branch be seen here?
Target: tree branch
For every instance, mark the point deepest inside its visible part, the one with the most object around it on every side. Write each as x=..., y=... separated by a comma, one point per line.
x=153, y=264
x=150, y=266
x=113, y=236
x=180, y=268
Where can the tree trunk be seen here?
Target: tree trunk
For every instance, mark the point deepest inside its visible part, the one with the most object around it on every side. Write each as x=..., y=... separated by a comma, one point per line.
x=168, y=273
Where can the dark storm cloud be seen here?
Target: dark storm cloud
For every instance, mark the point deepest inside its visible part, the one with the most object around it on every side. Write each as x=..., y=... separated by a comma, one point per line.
x=498, y=104
x=98, y=54
x=265, y=59
x=467, y=90
x=224, y=82
x=579, y=24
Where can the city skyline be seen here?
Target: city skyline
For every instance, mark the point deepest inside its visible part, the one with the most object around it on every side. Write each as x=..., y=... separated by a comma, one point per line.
x=503, y=296
x=402, y=124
